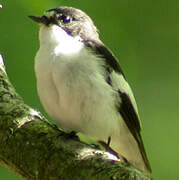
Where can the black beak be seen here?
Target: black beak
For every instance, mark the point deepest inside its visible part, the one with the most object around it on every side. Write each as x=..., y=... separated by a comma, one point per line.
x=43, y=19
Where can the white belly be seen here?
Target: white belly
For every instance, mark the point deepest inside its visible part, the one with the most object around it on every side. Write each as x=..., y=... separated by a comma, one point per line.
x=75, y=94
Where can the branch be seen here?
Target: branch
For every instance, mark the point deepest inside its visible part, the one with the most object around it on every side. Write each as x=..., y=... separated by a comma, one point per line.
x=35, y=149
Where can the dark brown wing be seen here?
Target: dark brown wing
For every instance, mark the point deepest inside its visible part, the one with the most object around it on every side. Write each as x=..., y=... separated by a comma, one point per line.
x=130, y=116
x=111, y=62
x=125, y=107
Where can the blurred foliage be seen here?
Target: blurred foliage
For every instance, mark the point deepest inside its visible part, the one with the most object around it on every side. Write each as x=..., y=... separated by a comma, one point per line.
x=144, y=37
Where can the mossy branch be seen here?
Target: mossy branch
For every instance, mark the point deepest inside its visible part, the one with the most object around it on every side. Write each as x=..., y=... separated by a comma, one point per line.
x=35, y=149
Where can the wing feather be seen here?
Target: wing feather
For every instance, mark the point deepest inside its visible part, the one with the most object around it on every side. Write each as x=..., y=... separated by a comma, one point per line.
x=127, y=106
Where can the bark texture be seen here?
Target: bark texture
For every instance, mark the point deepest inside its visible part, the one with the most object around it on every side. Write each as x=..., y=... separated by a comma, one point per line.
x=37, y=150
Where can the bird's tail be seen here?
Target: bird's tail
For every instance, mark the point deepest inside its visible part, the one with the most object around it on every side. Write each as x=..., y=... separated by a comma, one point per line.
x=133, y=151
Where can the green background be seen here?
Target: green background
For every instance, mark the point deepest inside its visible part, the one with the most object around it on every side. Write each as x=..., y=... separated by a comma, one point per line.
x=144, y=36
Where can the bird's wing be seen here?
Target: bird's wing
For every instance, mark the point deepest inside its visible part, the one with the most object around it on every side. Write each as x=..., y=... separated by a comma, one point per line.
x=127, y=106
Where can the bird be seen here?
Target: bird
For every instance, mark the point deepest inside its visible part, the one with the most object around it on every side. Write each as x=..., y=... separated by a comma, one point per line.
x=82, y=86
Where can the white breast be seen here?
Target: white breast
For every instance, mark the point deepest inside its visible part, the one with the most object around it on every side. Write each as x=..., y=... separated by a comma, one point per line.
x=72, y=88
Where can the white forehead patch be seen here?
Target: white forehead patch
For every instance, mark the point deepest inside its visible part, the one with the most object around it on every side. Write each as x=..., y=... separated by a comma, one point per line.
x=49, y=13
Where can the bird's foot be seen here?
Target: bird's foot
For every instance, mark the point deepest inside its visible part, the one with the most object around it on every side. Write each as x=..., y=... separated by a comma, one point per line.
x=72, y=135
x=111, y=151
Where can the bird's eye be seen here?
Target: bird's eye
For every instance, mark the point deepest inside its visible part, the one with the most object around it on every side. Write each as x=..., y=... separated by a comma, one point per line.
x=65, y=19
